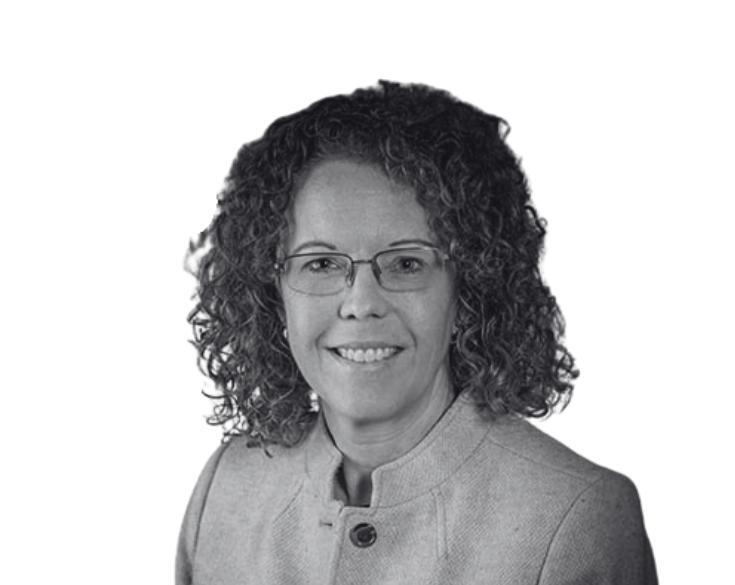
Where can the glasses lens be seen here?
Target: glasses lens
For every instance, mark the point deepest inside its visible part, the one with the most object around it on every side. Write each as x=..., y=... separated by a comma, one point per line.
x=316, y=274
x=408, y=269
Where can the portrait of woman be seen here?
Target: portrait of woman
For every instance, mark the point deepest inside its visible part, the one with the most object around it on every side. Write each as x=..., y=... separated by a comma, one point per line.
x=371, y=311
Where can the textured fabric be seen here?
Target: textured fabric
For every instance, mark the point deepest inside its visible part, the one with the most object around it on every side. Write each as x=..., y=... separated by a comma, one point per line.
x=476, y=502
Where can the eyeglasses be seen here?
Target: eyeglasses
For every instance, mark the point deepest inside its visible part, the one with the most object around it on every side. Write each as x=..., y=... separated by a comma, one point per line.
x=327, y=273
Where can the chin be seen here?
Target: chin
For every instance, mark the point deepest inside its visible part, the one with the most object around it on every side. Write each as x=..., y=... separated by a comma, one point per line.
x=364, y=403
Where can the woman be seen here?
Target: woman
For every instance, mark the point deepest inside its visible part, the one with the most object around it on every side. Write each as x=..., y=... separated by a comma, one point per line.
x=371, y=310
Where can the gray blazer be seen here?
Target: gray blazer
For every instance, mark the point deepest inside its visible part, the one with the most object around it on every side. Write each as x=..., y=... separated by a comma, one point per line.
x=476, y=502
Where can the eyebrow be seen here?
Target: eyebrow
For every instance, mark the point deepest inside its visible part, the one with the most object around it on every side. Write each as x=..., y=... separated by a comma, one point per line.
x=323, y=244
x=313, y=244
x=413, y=241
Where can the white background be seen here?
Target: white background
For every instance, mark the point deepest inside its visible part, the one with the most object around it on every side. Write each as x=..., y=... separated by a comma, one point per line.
x=118, y=124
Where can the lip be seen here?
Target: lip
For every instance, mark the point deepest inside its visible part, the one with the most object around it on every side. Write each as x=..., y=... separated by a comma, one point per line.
x=332, y=351
x=364, y=345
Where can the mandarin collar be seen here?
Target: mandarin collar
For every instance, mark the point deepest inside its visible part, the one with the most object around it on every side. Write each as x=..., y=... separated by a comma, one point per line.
x=433, y=460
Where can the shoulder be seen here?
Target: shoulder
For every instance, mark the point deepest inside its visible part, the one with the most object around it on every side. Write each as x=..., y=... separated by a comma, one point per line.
x=530, y=465
x=594, y=513
x=236, y=470
x=234, y=473
x=254, y=468
x=523, y=445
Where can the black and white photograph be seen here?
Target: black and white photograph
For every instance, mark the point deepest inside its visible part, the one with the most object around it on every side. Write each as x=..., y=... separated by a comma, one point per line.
x=398, y=293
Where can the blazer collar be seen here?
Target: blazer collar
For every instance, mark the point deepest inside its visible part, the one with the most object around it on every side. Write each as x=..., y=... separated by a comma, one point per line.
x=439, y=454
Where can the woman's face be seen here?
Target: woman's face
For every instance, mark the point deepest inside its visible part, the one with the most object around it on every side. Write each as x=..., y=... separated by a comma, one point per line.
x=350, y=207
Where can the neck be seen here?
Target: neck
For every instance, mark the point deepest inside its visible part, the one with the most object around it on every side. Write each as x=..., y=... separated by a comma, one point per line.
x=368, y=445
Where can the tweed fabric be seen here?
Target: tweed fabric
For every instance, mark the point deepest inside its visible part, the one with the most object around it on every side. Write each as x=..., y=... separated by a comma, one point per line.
x=476, y=502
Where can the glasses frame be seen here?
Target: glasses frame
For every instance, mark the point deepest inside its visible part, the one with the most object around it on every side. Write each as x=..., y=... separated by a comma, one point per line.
x=280, y=266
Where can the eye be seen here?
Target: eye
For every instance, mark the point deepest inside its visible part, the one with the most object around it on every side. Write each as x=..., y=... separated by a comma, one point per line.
x=407, y=265
x=322, y=265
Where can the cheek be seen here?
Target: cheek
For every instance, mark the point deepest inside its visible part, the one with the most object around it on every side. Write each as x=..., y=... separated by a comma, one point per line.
x=433, y=319
x=306, y=321
x=436, y=333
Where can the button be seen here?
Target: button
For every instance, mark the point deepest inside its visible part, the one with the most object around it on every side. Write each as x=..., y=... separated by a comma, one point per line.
x=363, y=535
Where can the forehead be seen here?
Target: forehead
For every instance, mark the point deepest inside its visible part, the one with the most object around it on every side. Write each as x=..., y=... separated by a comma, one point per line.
x=355, y=207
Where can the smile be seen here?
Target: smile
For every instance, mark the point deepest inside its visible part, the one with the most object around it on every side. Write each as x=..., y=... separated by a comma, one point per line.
x=367, y=355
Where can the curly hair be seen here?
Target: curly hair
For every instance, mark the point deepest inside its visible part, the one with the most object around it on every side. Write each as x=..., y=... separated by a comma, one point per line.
x=507, y=354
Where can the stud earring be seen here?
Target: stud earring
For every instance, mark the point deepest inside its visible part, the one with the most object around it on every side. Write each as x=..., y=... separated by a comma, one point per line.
x=285, y=333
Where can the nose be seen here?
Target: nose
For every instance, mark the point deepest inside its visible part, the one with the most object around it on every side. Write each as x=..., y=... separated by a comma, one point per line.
x=364, y=297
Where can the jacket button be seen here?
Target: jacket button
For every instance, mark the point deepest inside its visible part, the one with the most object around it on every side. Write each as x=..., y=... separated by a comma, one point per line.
x=363, y=535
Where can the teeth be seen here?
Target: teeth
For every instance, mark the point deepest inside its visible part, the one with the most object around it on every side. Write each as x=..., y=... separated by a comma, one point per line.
x=367, y=355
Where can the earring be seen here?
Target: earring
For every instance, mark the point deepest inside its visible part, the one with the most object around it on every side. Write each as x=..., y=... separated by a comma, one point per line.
x=285, y=333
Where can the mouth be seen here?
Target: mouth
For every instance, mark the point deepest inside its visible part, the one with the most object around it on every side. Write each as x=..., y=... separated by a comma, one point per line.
x=366, y=355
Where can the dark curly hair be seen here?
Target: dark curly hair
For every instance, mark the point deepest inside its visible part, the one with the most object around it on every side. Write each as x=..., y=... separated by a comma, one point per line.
x=507, y=354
